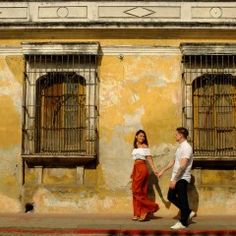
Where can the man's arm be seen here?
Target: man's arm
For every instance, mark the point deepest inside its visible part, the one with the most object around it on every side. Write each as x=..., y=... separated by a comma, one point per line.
x=167, y=167
x=182, y=168
x=180, y=172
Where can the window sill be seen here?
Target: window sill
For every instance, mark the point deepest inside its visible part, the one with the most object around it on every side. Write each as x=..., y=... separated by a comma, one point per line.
x=55, y=160
x=214, y=162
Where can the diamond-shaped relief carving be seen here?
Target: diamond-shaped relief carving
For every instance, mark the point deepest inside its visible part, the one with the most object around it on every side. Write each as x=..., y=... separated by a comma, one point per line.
x=139, y=12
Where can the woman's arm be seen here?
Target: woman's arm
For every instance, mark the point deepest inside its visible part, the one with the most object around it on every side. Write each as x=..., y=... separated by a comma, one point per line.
x=167, y=167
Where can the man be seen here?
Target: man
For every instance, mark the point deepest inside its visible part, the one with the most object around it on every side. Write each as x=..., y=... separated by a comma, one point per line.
x=181, y=176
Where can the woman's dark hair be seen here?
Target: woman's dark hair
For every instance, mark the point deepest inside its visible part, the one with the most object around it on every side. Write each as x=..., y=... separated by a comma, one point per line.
x=145, y=136
x=183, y=131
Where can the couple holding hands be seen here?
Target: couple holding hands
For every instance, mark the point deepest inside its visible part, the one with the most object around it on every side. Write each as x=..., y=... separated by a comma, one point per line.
x=181, y=175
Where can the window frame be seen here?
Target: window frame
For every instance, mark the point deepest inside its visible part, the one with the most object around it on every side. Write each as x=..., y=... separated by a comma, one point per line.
x=195, y=50
x=88, y=72
x=208, y=116
x=47, y=127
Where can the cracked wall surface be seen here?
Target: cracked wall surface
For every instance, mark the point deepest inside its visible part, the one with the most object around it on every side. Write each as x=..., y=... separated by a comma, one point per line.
x=135, y=92
x=11, y=71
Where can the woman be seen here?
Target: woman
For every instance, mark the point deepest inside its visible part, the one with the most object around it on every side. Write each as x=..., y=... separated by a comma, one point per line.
x=141, y=154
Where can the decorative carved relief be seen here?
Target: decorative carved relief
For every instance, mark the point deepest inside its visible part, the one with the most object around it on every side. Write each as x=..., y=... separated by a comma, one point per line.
x=64, y=12
x=139, y=12
x=119, y=11
x=216, y=12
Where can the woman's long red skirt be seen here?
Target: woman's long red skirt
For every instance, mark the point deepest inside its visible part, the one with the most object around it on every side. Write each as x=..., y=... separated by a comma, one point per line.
x=141, y=203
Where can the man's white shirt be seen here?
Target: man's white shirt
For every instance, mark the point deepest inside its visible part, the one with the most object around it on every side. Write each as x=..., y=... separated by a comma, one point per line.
x=183, y=151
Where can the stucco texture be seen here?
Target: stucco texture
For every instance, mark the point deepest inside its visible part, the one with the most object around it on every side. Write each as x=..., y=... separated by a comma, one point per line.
x=11, y=74
x=138, y=92
x=135, y=92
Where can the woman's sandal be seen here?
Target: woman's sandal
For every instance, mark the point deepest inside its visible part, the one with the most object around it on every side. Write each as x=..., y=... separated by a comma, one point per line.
x=135, y=218
x=145, y=217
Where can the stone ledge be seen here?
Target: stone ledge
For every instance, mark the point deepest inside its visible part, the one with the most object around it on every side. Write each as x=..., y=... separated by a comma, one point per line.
x=49, y=48
x=208, y=48
x=114, y=50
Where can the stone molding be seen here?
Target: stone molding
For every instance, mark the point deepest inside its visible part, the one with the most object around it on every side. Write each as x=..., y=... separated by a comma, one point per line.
x=119, y=50
x=116, y=50
x=208, y=48
x=11, y=51
x=139, y=50
x=117, y=14
x=139, y=12
x=55, y=48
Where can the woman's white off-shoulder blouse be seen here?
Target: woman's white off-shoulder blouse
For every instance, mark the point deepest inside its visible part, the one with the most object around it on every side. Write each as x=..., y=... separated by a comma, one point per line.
x=141, y=153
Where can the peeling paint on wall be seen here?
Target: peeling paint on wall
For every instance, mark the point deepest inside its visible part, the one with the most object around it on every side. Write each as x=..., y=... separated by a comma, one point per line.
x=83, y=202
x=138, y=92
x=133, y=122
x=11, y=73
x=9, y=205
x=9, y=180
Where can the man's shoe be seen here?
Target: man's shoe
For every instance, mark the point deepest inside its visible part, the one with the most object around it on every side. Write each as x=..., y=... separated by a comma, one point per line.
x=191, y=215
x=177, y=226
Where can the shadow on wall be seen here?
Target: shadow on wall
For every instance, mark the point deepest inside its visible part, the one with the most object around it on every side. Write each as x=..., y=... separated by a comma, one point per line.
x=154, y=181
x=193, y=195
x=192, y=192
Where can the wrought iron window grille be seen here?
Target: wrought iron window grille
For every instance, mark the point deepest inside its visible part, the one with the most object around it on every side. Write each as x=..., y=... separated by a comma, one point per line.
x=209, y=104
x=60, y=106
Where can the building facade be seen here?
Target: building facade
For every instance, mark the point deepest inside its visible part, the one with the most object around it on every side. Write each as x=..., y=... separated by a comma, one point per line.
x=78, y=79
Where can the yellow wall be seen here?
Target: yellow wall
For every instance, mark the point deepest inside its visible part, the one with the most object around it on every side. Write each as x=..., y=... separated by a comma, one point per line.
x=135, y=92
x=11, y=69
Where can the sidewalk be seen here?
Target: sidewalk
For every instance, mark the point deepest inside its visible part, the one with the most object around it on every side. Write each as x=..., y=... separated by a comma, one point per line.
x=101, y=224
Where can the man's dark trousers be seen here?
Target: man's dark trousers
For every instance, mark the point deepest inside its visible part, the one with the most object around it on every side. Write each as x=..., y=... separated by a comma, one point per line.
x=179, y=197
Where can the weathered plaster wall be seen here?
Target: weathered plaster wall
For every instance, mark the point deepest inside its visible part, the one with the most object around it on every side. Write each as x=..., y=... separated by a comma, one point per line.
x=147, y=89
x=11, y=71
x=135, y=92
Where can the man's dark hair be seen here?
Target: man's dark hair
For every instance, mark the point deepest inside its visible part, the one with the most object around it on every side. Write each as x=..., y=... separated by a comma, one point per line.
x=182, y=131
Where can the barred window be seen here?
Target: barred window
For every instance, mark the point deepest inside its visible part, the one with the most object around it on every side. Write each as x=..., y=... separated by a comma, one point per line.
x=60, y=113
x=214, y=115
x=60, y=107
x=209, y=104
